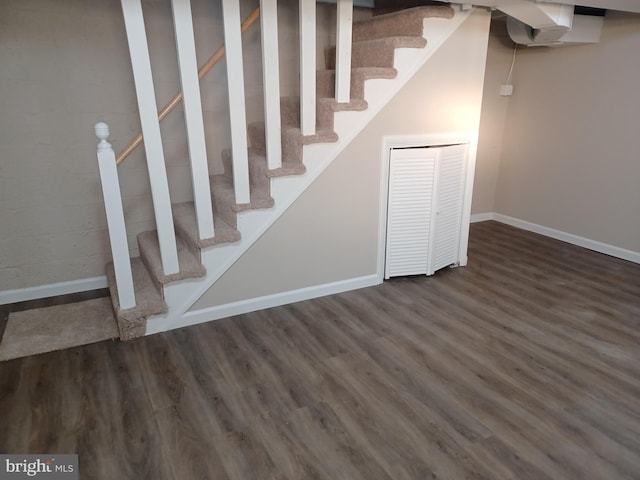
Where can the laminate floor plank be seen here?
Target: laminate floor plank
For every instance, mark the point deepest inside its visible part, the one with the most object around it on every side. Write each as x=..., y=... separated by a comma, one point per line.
x=524, y=365
x=446, y=452
x=580, y=299
x=497, y=410
x=273, y=425
x=363, y=461
x=43, y=412
x=566, y=386
x=277, y=372
x=517, y=324
x=393, y=449
x=407, y=383
x=189, y=439
x=504, y=463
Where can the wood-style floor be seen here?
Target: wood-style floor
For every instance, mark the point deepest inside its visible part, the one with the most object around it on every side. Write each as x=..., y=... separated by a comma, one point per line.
x=523, y=365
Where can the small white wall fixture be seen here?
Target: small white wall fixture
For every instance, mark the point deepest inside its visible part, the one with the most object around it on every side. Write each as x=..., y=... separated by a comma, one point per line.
x=468, y=140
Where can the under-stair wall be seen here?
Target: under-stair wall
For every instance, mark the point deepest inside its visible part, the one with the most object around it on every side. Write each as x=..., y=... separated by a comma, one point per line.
x=327, y=240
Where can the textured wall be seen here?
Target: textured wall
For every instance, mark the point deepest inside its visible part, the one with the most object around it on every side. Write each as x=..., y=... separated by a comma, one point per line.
x=492, y=122
x=570, y=156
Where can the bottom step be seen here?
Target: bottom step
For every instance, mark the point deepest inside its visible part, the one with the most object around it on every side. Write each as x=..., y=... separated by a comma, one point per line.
x=132, y=322
x=56, y=327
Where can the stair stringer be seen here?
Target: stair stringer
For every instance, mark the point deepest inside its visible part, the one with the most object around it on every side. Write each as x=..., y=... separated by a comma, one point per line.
x=181, y=295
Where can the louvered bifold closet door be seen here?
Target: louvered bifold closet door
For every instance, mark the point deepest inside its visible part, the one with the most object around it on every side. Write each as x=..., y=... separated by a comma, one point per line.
x=411, y=179
x=450, y=181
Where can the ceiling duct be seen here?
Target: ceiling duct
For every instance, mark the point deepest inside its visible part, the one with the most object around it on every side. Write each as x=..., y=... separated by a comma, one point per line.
x=543, y=24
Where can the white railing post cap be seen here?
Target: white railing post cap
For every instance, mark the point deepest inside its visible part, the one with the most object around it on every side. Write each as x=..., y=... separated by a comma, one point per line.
x=102, y=130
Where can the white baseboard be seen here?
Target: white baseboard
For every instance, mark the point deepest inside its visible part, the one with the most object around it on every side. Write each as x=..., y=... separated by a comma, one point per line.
x=269, y=301
x=594, y=245
x=482, y=217
x=52, y=290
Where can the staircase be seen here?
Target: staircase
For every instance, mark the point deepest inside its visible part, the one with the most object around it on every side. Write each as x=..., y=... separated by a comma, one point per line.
x=386, y=50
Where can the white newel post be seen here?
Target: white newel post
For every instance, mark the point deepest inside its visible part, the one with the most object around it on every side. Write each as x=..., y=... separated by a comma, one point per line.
x=271, y=80
x=115, y=218
x=237, y=111
x=143, y=78
x=185, y=43
x=308, y=67
x=343, y=50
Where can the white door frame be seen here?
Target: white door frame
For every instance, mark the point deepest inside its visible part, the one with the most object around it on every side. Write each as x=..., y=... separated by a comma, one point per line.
x=390, y=142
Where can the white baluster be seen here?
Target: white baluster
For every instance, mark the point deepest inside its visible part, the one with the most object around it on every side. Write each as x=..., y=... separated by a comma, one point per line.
x=237, y=111
x=185, y=43
x=139, y=52
x=343, y=50
x=307, y=18
x=271, y=80
x=115, y=218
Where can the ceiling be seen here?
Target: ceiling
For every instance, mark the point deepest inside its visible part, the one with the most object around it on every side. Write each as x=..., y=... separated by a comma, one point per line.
x=622, y=5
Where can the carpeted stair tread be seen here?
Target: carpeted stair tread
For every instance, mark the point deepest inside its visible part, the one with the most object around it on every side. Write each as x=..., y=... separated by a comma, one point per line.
x=326, y=80
x=57, y=327
x=259, y=177
x=290, y=111
x=291, y=141
x=287, y=169
x=408, y=22
x=325, y=107
x=184, y=218
x=321, y=136
x=190, y=266
x=132, y=321
x=225, y=199
x=330, y=105
x=355, y=105
x=258, y=169
x=292, y=148
x=379, y=52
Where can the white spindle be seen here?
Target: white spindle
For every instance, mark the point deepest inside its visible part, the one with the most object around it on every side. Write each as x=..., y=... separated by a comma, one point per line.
x=271, y=80
x=308, y=66
x=343, y=50
x=237, y=113
x=185, y=43
x=139, y=53
x=115, y=218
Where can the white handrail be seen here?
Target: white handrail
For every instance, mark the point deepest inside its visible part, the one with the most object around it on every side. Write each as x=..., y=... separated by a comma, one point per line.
x=343, y=50
x=188, y=67
x=115, y=218
x=307, y=20
x=143, y=78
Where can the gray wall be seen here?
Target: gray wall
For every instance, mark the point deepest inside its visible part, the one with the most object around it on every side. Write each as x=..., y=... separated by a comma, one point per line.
x=330, y=233
x=570, y=158
x=492, y=121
